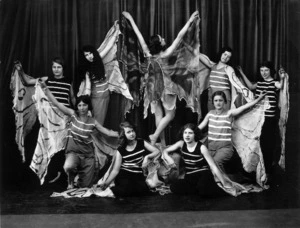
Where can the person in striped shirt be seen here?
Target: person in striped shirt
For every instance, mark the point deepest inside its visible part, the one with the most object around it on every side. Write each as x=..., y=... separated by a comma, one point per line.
x=198, y=164
x=222, y=77
x=219, y=123
x=132, y=158
x=270, y=127
x=80, y=156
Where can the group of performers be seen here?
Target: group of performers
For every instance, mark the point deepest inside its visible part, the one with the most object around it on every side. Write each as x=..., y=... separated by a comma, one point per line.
x=74, y=126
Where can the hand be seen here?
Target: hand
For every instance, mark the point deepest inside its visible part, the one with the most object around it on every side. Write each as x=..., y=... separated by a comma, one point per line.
x=42, y=83
x=126, y=15
x=262, y=95
x=116, y=23
x=239, y=68
x=45, y=78
x=103, y=186
x=281, y=73
x=195, y=14
x=18, y=65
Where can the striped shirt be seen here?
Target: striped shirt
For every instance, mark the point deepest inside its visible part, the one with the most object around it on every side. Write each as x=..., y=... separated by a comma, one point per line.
x=194, y=160
x=80, y=135
x=218, y=79
x=269, y=87
x=60, y=88
x=219, y=130
x=132, y=160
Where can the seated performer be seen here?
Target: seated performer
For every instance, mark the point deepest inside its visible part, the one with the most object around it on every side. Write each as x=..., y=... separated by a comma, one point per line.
x=219, y=123
x=80, y=156
x=132, y=157
x=198, y=164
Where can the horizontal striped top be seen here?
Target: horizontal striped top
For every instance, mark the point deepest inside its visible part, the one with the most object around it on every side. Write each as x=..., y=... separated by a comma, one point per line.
x=60, y=88
x=132, y=160
x=194, y=161
x=80, y=135
x=219, y=130
x=218, y=79
x=269, y=87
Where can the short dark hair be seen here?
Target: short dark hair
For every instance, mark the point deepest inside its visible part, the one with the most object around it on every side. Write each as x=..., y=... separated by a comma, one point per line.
x=219, y=93
x=269, y=65
x=59, y=60
x=85, y=99
x=155, y=45
x=226, y=48
x=194, y=128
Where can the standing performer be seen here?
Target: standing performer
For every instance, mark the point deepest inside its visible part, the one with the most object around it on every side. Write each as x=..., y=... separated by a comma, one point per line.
x=165, y=81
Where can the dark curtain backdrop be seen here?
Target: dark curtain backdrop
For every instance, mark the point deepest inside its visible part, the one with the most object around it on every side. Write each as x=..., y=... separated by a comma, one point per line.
x=35, y=31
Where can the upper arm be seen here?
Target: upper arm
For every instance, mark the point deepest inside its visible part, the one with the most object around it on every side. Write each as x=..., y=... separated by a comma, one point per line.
x=151, y=148
x=206, y=61
x=174, y=147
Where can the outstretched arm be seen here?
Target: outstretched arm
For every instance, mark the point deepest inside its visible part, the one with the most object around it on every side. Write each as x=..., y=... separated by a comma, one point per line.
x=115, y=171
x=239, y=110
x=154, y=152
x=213, y=167
x=250, y=85
x=180, y=35
x=206, y=61
x=170, y=149
x=26, y=79
x=52, y=99
x=138, y=34
x=111, y=42
x=105, y=131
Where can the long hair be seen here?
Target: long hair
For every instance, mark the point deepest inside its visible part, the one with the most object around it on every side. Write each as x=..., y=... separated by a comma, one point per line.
x=95, y=68
x=155, y=46
x=85, y=99
x=122, y=137
x=194, y=128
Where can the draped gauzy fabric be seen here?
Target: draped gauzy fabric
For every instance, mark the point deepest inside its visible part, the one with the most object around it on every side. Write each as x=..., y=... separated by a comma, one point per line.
x=180, y=74
x=24, y=109
x=52, y=133
x=246, y=131
x=284, y=106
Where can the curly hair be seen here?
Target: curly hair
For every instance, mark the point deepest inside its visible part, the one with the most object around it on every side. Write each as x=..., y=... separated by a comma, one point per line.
x=194, y=128
x=95, y=68
x=224, y=49
x=155, y=46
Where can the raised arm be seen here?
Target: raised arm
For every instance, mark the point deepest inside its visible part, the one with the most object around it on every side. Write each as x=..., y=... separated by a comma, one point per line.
x=204, y=122
x=170, y=149
x=239, y=110
x=52, y=99
x=138, y=34
x=180, y=35
x=206, y=61
x=105, y=131
x=115, y=171
x=279, y=85
x=26, y=79
x=111, y=41
x=250, y=85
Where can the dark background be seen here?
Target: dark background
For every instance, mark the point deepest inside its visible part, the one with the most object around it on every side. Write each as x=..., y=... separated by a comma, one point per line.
x=34, y=31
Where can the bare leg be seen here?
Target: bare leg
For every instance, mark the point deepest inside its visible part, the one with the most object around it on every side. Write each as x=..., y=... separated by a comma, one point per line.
x=158, y=117
x=170, y=114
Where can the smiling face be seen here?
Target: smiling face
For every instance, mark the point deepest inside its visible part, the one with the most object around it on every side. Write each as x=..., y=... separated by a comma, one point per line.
x=83, y=108
x=219, y=102
x=225, y=57
x=57, y=70
x=89, y=56
x=188, y=135
x=265, y=72
x=129, y=133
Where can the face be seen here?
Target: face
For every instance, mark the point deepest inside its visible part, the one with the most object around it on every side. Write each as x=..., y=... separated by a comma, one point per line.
x=57, y=69
x=219, y=102
x=129, y=133
x=89, y=56
x=188, y=135
x=83, y=108
x=225, y=57
x=265, y=73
